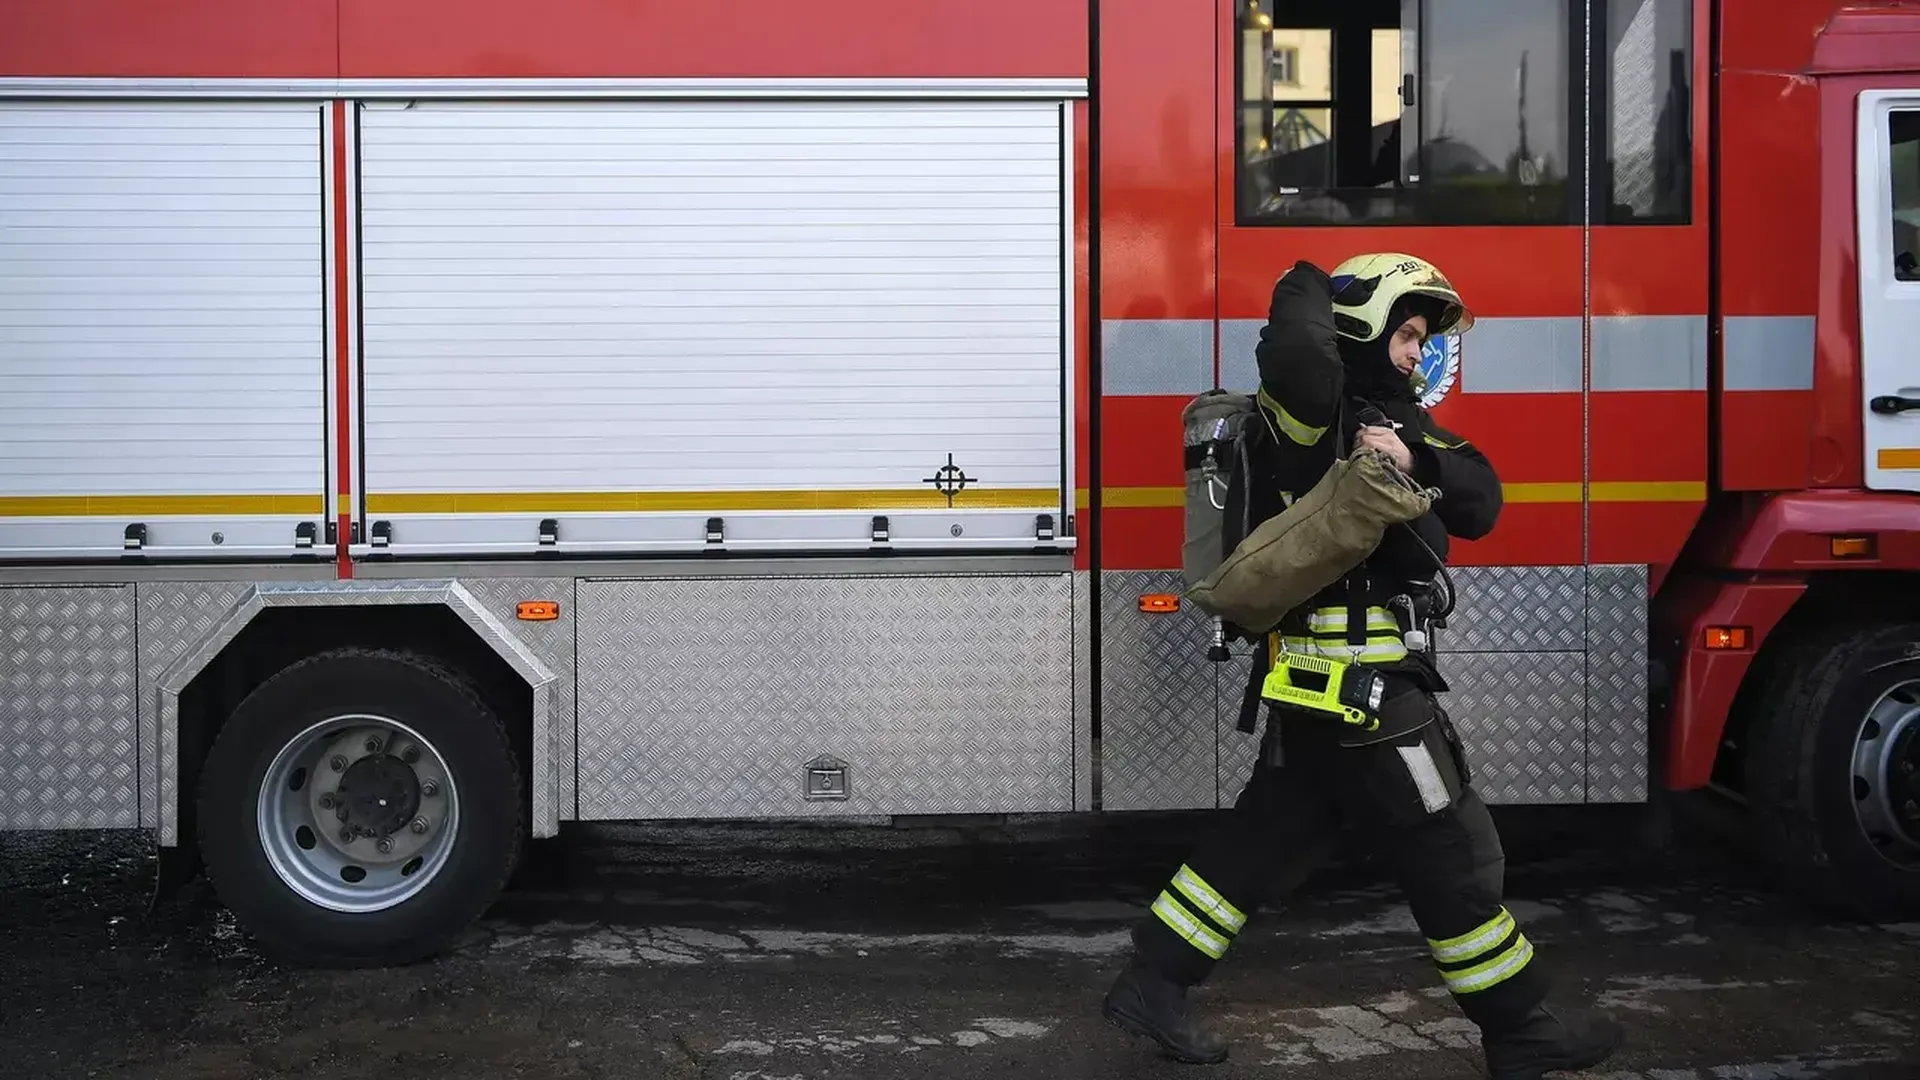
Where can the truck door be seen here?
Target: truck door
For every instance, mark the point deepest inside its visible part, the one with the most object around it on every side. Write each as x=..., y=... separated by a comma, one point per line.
x=1889, y=221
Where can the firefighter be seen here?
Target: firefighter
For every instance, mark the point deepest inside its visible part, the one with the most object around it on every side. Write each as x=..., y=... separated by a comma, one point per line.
x=1337, y=361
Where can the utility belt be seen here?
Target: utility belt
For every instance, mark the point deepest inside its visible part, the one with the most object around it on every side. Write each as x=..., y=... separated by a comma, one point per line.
x=1368, y=667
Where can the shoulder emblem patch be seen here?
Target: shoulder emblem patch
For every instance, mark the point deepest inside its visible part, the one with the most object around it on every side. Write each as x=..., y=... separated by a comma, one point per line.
x=1438, y=370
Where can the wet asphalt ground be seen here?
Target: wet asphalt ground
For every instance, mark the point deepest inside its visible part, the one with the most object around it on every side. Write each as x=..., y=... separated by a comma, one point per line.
x=768, y=952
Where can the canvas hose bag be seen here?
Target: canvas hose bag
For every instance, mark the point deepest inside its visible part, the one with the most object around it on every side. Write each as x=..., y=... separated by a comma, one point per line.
x=1313, y=543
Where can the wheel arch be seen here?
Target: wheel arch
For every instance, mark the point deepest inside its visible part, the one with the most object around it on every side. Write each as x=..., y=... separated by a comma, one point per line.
x=274, y=624
x=1832, y=602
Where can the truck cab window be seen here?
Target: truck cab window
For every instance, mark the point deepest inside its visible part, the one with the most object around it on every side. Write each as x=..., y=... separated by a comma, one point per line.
x=1903, y=137
x=1646, y=81
x=1405, y=111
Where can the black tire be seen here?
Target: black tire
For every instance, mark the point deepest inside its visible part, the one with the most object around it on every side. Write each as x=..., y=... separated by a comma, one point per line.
x=1799, y=768
x=468, y=737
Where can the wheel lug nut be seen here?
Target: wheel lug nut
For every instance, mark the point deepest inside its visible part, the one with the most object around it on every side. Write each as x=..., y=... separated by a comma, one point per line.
x=341, y=813
x=430, y=788
x=346, y=834
x=419, y=825
x=338, y=763
x=373, y=746
x=326, y=800
x=385, y=845
x=412, y=754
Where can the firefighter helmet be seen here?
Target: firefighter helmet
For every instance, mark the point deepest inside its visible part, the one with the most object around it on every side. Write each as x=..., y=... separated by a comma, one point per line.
x=1366, y=287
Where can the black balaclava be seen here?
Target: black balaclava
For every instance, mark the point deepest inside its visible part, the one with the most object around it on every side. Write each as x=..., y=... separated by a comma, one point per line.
x=1370, y=375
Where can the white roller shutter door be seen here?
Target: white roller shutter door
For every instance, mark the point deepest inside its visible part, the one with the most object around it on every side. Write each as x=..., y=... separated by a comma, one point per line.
x=632, y=317
x=161, y=327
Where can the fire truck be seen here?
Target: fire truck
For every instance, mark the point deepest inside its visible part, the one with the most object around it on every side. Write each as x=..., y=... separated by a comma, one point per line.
x=428, y=425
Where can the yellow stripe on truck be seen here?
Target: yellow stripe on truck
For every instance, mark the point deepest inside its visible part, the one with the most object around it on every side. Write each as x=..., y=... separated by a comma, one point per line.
x=587, y=502
x=1602, y=491
x=138, y=506
x=718, y=502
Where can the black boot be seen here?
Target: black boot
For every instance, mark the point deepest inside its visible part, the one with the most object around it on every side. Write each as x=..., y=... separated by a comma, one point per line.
x=1547, y=1042
x=1143, y=1003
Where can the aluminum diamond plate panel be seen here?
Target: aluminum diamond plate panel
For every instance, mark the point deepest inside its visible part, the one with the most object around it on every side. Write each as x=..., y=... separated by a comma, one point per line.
x=1157, y=710
x=1518, y=713
x=1516, y=651
x=552, y=643
x=175, y=618
x=1516, y=609
x=1617, y=751
x=1523, y=718
x=1083, y=629
x=69, y=754
x=939, y=695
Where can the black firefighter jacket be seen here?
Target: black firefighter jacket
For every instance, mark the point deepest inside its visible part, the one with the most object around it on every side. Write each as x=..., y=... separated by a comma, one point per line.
x=1303, y=393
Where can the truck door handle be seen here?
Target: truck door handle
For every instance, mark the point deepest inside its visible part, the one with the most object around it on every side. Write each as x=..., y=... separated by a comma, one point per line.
x=1893, y=404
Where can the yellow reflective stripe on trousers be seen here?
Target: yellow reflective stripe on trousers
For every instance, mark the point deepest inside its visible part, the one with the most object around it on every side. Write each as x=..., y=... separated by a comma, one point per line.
x=1492, y=972
x=1473, y=942
x=1499, y=959
x=1289, y=426
x=1188, y=927
x=1208, y=900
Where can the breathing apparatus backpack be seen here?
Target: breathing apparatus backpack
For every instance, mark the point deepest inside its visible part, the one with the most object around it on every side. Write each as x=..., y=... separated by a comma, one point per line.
x=1215, y=423
x=1251, y=576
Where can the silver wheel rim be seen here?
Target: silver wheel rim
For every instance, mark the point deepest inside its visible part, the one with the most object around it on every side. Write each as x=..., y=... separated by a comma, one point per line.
x=358, y=813
x=1886, y=775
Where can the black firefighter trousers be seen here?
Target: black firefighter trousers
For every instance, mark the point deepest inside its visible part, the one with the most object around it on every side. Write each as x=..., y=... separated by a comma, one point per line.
x=1407, y=796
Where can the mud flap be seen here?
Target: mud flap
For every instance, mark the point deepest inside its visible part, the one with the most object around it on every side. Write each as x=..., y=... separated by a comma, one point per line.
x=173, y=868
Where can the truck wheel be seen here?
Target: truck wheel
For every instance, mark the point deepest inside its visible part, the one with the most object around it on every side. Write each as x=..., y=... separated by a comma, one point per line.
x=360, y=807
x=1833, y=773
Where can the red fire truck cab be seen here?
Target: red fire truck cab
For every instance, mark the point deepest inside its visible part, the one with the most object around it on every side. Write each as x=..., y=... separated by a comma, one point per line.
x=428, y=424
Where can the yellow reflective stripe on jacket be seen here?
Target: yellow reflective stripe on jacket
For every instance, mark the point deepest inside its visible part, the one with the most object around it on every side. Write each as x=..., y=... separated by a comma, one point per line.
x=1375, y=651
x=1490, y=954
x=1327, y=628
x=1289, y=426
x=1435, y=440
x=1208, y=901
x=1180, y=922
x=1329, y=621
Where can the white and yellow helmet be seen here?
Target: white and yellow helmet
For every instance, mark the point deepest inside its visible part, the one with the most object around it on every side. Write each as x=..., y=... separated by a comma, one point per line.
x=1366, y=287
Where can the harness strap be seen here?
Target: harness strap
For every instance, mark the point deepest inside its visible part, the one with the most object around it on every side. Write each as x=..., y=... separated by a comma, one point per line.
x=1250, y=700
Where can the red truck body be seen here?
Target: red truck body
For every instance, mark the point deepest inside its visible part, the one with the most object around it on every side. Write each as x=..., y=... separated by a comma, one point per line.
x=1680, y=225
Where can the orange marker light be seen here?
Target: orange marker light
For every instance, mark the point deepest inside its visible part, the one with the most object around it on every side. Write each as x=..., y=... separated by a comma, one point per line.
x=538, y=610
x=1159, y=603
x=1851, y=547
x=1723, y=638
